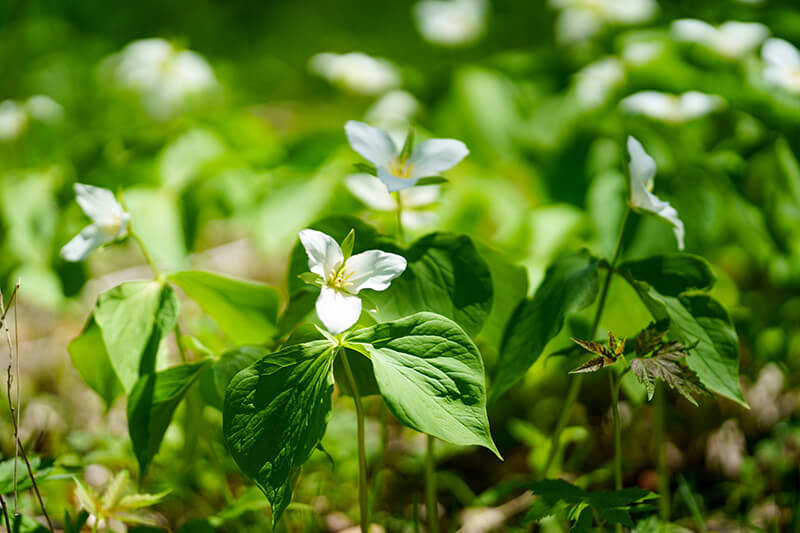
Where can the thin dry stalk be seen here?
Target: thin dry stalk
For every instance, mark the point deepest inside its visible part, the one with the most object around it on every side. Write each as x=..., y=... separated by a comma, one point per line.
x=4, y=507
x=14, y=406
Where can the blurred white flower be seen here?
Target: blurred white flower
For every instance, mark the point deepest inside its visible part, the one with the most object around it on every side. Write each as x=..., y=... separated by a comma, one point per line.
x=356, y=72
x=13, y=120
x=672, y=108
x=641, y=53
x=581, y=19
x=781, y=64
x=451, y=22
x=593, y=83
x=393, y=110
x=109, y=221
x=726, y=448
x=341, y=278
x=642, y=170
x=44, y=108
x=165, y=76
x=373, y=193
x=732, y=39
x=400, y=171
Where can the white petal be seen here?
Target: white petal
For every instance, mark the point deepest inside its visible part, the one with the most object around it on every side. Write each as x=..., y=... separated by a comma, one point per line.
x=371, y=191
x=374, y=144
x=99, y=204
x=642, y=169
x=337, y=310
x=392, y=182
x=373, y=269
x=652, y=104
x=735, y=39
x=780, y=53
x=691, y=30
x=324, y=254
x=695, y=104
x=420, y=196
x=436, y=155
x=83, y=243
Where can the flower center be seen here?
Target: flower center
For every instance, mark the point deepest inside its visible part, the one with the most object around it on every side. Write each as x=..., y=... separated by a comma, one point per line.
x=400, y=168
x=112, y=229
x=340, y=279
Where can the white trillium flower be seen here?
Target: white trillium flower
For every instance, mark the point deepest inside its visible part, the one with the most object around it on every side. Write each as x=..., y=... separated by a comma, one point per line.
x=338, y=305
x=581, y=19
x=109, y=222
x=396, y=170
x=675, y=109
x=44, y=108
x=594, y=82
x=356, y=72
x=373, y=193
x=13, y=120
x=732, y=39
x=163, y=75
x=642, y=170
x=451, y=22
x=781, y=64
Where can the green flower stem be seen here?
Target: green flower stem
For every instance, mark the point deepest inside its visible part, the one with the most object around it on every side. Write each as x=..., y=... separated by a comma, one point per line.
x=577, y=381
x=430, y=486
x=661, y=452
x=614, y=382
x=147, y=257
x=363, y=490
x=401, y=235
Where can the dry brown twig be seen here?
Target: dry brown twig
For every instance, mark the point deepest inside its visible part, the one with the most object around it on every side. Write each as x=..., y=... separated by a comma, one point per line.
x=13, y=363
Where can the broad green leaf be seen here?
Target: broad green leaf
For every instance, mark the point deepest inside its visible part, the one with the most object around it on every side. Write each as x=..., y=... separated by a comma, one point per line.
x=363, y=374
x=133, y=318
x=89, y=357
x=151, y=405
x=214, y=380
x=570, y=284
x=244, y=310
x=445, y=275
x=672, y=274
x=584, y=522
x=275, y=414
x=431, y=376
x=550, y=494
x=703, y=325
x=510, y=287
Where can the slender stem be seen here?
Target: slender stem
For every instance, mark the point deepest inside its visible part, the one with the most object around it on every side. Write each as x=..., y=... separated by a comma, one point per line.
x=147, y=257
x=35, y=485
x=4, y=508
x=661, y=453
x=577, y=381
x=363, y=494
x=179, y=342
x=612, y=378
x=431, y=506
x=401, y=234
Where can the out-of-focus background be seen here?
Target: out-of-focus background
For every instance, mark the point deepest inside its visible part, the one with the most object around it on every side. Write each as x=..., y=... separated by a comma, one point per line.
x=221, y=125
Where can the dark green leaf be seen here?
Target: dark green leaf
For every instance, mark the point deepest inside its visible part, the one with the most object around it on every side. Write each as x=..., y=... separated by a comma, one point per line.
x=672, y=274
x=431, y=180
x=445, y=275
x=366, y=168
x=133, y=318
x=23, y=524
x=363, y=373
x=431, y=376
x=275, y=414
x=42, y=468
x=246, y=311
x=554, y=490
x=151, y=405
x=617, y=498
x=584, y=522
x=214, y=379
x=570, y=284
x=89, y=357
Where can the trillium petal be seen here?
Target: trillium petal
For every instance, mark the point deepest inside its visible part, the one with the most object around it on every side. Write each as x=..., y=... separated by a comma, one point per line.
x=324, y=254
x=692, y=30
x=393, y=183
x=642, y=170
x=780, y=53
x=696, y=104
x=99, y=204
x=373, y=144
x=83, y=243
x=372, y=192
x=652, y=104
x=373, y=269
x=436, y=155
x=337, y=310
